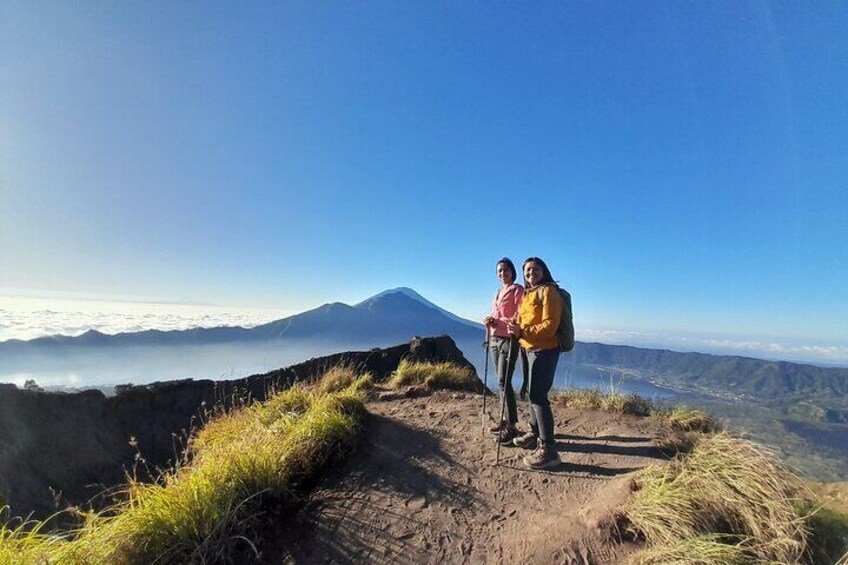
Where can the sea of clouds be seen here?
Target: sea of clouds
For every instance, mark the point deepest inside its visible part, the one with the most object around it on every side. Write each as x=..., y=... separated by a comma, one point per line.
x=29, y=318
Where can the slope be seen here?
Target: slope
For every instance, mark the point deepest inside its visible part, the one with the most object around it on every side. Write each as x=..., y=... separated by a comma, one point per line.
x=423, y=487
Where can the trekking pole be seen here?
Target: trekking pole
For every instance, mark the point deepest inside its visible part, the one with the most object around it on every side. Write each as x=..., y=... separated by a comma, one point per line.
x=485, y=384
x=503, y=398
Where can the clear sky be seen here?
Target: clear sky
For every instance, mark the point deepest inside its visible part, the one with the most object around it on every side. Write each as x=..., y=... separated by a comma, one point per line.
x=681, y=166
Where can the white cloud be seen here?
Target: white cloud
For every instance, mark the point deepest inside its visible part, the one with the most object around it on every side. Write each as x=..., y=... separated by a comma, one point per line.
x=812, y=352
x=29, y=318
x=784, y=349
x=25, y=318
x=607, y=335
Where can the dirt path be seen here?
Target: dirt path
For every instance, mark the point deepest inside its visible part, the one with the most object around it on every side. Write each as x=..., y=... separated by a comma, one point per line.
x=422, y=487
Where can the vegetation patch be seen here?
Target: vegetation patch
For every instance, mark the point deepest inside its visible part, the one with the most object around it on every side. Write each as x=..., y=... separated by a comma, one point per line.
x=434, y=376
x=727, y=501
x=203, y=511
x=594, y=399
x=675, y=442
x=828, y=535
x=686, y=419
x=832, y=495
x=341, y=377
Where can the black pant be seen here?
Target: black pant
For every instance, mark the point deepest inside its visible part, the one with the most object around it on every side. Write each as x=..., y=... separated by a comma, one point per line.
x=541, y=367
x=504, y=366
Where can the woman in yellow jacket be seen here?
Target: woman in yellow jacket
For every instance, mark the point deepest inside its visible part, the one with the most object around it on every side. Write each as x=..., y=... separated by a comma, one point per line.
x=537, y=321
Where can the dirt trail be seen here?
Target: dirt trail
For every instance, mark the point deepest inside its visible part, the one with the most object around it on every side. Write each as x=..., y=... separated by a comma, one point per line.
x=422, y=487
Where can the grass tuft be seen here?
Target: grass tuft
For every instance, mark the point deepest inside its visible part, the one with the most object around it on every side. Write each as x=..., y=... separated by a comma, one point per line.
x=341, y=377
x=202, y=511
x=828, y=533
x=594, y=399
x=706, y=550
x=434, y=376
x=686, y=419
x=22, y=541
x=725, y=492
x=674, y=442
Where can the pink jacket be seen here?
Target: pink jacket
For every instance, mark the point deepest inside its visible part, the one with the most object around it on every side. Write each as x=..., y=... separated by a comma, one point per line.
x=505, y=307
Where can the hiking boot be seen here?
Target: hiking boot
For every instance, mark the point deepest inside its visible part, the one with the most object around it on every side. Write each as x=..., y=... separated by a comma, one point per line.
x=544, y=457
x=507, y=435
x=497, y=428
x=526, y=441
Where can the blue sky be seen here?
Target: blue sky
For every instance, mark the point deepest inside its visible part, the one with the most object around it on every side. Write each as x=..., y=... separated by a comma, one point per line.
x=681, y=166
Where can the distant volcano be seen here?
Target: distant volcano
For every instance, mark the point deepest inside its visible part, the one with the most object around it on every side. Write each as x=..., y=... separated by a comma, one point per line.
x=394, y=315
x=399, y=314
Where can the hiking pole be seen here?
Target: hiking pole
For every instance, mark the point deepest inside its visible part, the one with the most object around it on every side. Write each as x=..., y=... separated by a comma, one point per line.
x=485, y=384
x=503, y=398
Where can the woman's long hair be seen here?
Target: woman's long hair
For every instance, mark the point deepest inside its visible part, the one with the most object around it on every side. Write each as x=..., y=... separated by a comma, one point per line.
x=509, y=265
x=547, y=278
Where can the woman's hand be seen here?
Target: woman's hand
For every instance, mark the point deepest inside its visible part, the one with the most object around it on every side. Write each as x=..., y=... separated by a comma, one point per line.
x=513, y=329
x=488, y=321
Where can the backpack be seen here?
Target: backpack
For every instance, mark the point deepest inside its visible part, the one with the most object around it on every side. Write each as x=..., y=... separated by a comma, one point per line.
x=565, y=331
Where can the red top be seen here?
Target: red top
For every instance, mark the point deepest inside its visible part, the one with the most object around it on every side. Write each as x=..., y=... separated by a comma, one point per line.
x=505, y=307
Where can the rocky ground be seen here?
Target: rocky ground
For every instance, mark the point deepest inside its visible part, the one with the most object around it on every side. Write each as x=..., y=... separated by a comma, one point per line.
x=423, y=486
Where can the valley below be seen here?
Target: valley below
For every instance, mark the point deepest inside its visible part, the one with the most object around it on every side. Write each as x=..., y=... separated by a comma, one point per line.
x=809, y=432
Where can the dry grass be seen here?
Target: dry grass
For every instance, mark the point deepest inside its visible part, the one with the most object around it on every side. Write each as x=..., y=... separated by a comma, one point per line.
x=341, y=377
x=594, y=399
x=685, y=428
x=828, y=523
x=727, y=501
x=832, y=495
x=202, y=512
x=828, y=534
x=22, y=542
x=686, y=419
x=706, y=550
x=674, y=442
x=434, y=376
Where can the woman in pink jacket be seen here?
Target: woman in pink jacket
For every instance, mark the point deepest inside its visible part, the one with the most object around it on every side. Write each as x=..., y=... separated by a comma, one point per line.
x=503, y=347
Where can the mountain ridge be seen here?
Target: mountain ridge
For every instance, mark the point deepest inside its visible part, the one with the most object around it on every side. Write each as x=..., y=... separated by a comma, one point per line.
x=399, y=314
x=371, y=313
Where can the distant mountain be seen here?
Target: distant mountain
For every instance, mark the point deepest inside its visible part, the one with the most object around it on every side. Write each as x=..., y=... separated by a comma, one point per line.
x=394, y=315
x=399, y=314
x=754, y=379
x=415, y=296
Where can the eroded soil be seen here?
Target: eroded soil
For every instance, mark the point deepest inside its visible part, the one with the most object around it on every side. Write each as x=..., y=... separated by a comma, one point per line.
x=422, y=486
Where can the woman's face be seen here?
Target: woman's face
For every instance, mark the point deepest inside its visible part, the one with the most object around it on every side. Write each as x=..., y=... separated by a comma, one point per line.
x=504, y=273
x=532, y=273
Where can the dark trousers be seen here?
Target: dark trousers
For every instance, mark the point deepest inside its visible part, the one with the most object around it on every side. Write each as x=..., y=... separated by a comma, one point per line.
x=541, y=366
x=504, y=365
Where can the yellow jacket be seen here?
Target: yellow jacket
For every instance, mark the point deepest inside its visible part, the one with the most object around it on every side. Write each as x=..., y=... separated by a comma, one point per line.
x=538, y=316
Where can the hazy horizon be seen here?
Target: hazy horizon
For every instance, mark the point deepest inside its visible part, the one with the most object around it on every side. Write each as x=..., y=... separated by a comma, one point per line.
x=29, y=318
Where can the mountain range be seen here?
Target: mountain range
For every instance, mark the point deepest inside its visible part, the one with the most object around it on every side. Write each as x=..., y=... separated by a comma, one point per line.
x=399, y=314
x=803, y=409
x=396, y=314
